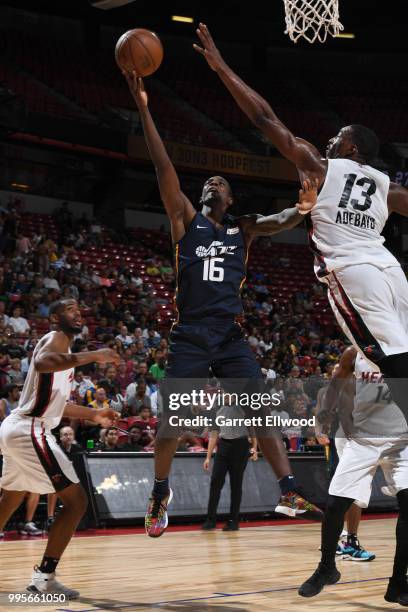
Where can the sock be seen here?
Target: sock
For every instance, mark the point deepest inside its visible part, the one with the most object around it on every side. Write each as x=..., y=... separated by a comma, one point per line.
x=332, y=525
x=161, y=487
x=48, y=565
x=287, y=484
x=344, y=533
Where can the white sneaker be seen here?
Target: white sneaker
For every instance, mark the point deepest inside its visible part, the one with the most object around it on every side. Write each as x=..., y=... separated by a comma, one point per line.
x=47, y=583
x=30, y=528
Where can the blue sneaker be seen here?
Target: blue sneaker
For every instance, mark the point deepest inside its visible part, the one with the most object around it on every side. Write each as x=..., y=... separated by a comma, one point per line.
x=352, y=551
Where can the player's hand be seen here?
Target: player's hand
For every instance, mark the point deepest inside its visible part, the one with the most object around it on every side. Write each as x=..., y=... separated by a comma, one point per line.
x=107, y=355
x=253, y=454
x=137, y=89
x=209, y=50
x=307, y=196
x=206, y=464
x=323, y=440
x=105, y=417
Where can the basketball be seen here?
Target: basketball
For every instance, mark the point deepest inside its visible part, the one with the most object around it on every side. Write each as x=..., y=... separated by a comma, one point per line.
x=139, y=50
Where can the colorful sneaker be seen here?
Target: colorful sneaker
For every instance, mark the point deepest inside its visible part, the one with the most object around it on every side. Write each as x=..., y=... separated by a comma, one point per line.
x=293, y=505
x=339, y=549
x=156, y=519
x=318, y=580
x=30, y=529
x=354, y=552
x=47, y=583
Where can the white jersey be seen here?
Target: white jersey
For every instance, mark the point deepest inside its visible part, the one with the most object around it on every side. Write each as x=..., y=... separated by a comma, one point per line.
x=44, y=395
x=348, y=218
x=375, y=415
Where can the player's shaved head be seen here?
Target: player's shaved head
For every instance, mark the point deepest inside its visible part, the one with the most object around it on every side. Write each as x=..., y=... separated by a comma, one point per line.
x=366, y=141
x=58, y=307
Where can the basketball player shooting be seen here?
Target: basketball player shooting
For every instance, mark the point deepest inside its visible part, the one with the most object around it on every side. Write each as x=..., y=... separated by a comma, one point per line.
x=367, y=289
x=377, y=435
x=32, y=459
x=210, y=258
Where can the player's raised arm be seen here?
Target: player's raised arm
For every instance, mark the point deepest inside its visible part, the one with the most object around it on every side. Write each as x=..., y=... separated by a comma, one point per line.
x=178, y=207
x=53, y=356
x=258, y=225
x=398, y=199
x=302, y=153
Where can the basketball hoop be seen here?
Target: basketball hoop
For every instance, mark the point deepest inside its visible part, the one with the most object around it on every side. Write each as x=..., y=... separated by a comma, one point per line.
x=312, y=19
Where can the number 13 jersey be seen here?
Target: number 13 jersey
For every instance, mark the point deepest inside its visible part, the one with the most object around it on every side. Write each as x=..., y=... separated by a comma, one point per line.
x=345, y=225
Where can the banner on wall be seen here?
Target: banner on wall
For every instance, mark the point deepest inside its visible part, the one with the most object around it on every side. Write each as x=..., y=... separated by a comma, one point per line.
x=216, y=160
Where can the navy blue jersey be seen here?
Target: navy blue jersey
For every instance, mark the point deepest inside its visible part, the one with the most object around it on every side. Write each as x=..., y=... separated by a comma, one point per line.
x=210, y=269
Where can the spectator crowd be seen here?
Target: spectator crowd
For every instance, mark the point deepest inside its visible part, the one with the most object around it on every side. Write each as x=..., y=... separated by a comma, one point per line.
x=120, y=310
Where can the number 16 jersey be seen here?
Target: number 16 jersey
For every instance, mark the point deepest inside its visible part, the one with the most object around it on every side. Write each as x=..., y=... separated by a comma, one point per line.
x=345, y=225
x=210, y=266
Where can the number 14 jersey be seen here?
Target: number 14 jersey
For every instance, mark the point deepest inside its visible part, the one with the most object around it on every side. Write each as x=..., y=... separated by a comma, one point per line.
x=345, y=225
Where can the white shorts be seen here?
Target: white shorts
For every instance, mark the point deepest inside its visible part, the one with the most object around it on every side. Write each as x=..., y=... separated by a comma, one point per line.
x=32, y=459
x=358, y=462
x=371, y=307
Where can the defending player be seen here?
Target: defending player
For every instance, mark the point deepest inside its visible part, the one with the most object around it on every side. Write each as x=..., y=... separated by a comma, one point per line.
x=32, y=459
x=367, y=289
x=376, y=436
x=211, y=250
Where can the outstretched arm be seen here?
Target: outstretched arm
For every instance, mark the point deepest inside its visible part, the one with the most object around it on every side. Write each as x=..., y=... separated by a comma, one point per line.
x=178, y=207
x=53, y=356
x=302, y=153
x=257, y=225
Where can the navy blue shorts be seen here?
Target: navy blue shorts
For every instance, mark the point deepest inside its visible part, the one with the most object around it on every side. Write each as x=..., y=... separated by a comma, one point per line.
x=195, y=347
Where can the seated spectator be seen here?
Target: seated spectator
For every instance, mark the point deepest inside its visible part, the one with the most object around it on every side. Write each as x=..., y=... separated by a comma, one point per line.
x=124, y=377
x=110, y=440
x=25, y=362
x=50, y=282
x=110, y=382
x=10, y=396
x=103, y=329
x=136, y=397
x=135, y=440
x=147, y=422
x=158, y=368
x=83, y=387
x=12, y=348
x=3, y=317
x=101, y=400
x=124, y=337
x=68, y=443
x=15, y=373
x=153, y=338
x=18, y=323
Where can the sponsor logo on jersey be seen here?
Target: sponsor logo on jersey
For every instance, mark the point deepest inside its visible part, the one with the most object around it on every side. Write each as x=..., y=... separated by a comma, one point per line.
x=216, y=248
x=233, y=230
x=347, y=217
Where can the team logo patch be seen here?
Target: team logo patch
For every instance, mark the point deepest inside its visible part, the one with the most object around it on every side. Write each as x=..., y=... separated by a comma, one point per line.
x=233, y=230
x=215, y=249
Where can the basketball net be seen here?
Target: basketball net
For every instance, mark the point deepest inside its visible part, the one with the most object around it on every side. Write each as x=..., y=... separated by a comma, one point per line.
x=312, y=19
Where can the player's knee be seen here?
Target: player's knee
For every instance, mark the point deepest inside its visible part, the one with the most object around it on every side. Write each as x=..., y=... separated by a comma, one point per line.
x=337, y=506
x=402, y=497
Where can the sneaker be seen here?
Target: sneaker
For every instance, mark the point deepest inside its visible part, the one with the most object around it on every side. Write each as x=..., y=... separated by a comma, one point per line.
x=231, y=525
x=352, y=550
x=293, y=505
x=30, y=529
x=156, y=519
x=318, y=580
x=397, y=592
x=47, y=583
x=209, y=525
x=339, y=549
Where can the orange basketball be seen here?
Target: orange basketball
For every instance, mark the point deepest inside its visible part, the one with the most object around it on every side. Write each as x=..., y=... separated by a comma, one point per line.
x=139, y=50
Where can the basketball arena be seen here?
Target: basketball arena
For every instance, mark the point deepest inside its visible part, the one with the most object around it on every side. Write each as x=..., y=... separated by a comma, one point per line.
x=203, y=306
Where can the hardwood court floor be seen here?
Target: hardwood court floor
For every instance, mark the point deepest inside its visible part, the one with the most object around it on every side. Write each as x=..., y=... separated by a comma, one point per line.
x=256, y=569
